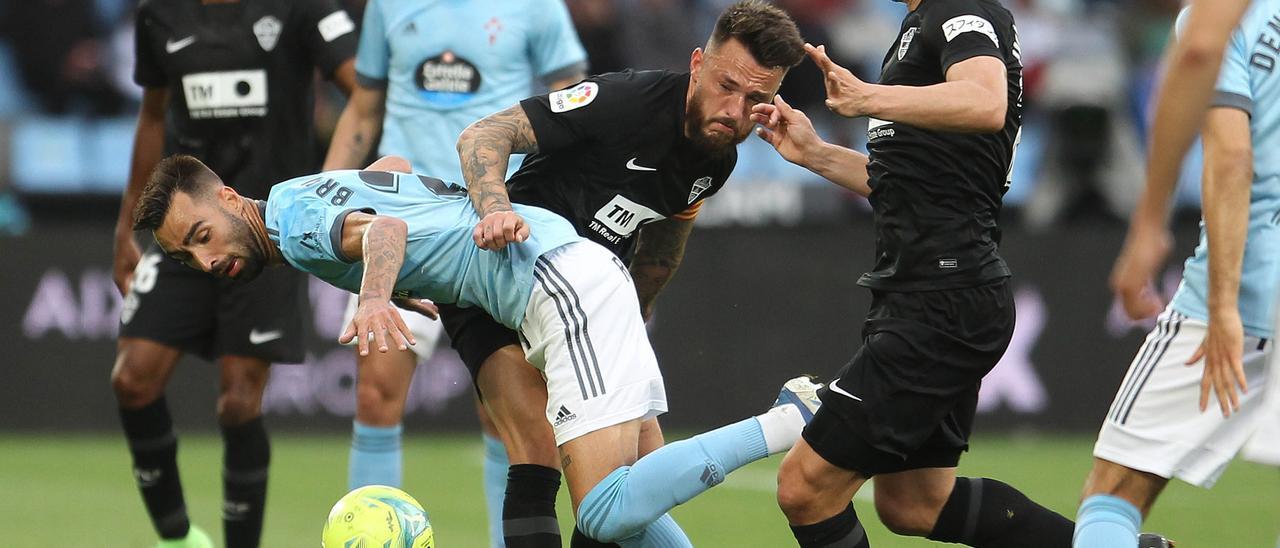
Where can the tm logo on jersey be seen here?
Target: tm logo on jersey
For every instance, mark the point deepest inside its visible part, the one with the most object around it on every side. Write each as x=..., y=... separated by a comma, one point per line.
x=621, y=217
x=577, y=96
x=226, y=94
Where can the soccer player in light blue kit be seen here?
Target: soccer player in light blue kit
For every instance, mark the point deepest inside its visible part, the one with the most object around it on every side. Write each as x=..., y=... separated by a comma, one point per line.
x=396, y=235
x=425, y=70
x=1220, y=320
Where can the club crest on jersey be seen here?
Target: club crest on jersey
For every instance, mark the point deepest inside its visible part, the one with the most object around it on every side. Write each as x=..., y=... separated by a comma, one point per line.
x=577, y=96
x=699, y=186
x=267, y=30
x=907, y=37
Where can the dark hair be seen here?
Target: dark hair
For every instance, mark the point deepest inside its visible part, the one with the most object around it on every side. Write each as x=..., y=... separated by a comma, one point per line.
x=180, y=173
x=767, y=32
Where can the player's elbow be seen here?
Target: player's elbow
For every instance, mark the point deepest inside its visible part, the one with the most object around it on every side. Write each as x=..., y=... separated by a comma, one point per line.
x=469, y=135
x=1199, y=50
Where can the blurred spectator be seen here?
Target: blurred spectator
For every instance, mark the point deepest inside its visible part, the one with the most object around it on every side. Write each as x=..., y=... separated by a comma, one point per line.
x=659, y=34
x=600, y=25
x=62, y=53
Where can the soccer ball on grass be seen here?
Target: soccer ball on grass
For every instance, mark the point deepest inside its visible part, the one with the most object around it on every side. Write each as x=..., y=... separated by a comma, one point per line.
x=377, y=516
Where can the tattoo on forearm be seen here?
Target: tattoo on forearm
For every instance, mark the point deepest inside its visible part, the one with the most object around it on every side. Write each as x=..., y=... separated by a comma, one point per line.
x=383, y=255
x=485, y=148
x=658, y=255
x=565, y=462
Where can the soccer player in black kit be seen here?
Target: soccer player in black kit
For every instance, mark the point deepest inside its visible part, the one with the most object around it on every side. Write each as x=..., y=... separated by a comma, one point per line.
x=628, y=158
x=231, y=83
x=943, y=129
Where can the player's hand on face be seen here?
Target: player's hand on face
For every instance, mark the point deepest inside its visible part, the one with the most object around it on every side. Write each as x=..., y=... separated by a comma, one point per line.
x=499, y=228
x=1144, y=252
x=788, y=130
x=125, y=262
x=1222, y=351
x=377, y=319
x=846, y=94
x=421, y=306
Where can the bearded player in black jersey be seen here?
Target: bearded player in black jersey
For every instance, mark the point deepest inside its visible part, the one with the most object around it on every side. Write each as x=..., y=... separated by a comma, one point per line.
x=628, y=158
x=944, y=125
x=231, y=83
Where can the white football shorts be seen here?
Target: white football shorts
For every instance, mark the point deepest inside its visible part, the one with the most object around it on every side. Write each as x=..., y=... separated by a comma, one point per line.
x=426, y=331
x=583, y=329
x=1155, y=424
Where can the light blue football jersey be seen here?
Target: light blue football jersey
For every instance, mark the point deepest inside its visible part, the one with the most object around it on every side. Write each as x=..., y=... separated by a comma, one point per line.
x=442, y=263
x=1248, y=81
x=448, y=63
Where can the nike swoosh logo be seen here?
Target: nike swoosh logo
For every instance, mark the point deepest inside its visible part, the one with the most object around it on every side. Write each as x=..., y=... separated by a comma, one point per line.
x=836, y=388
x=631, y=164
x=259, y=337
x=172, y=46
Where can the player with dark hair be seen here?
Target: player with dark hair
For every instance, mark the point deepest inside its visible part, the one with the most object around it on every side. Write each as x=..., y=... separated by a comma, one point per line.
x=420, y=84
x=385, y=233
x=230, y=82
x=944, y=126
x=628, y=158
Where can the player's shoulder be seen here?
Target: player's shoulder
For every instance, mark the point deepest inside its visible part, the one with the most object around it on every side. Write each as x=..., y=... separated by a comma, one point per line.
x=623, y=92
x=952, y=11
x=639, y=84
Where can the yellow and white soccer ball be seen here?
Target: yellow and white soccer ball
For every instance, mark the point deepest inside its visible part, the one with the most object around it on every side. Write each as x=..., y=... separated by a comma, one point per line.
x=377, y=516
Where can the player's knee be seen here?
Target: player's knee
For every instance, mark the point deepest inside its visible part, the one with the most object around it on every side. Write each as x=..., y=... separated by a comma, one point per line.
x=904, y=517
x=795, y=497
x=239, y=406
x=376, y=405
x=132, y=390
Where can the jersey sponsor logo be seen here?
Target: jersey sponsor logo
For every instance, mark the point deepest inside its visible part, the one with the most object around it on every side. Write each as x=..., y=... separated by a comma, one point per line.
x=905, y=43
x=699, y=186
x=447, y=79
x=876, y=129
x=947, y=264
x=334, y=25
x=619, y=218
x=260, y=337
x=577, y=96
x=631, y=164
x=226, y=94
x=173, y=46
x=268, y=30
x=961, y=24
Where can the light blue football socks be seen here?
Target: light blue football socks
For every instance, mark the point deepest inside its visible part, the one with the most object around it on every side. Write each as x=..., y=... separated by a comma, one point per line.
x=375, y=456
x=1105, y=521
x=495, y=486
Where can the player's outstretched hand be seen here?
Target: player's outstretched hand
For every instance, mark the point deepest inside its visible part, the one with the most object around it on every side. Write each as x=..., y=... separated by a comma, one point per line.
x=498, y=229
x=421, y=306
x=378, y=320
x=1144, y=252
x=1222, y=351
x=787, y=129
x=125, y=262
x=846, y=94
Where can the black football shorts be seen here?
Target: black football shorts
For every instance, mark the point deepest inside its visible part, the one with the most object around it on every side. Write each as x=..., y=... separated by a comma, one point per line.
x=176, y=305
x=907, y=398
x=475, y=335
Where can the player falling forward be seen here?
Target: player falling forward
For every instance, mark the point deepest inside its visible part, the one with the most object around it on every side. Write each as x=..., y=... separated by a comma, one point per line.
x=420, y=84
x=943, y=130
x=230, y=82
x=386, y=234
x=1222, y=313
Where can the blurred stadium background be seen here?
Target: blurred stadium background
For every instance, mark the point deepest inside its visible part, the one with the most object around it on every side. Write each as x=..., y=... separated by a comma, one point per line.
x=766, y=291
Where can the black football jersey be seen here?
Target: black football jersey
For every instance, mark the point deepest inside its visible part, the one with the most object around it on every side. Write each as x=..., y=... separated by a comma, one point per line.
x=937, y=195
x=612, y=156
x=240, y=80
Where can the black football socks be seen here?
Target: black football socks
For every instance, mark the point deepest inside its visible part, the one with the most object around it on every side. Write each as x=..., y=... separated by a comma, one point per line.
x=529, y=509
x=246, y=456
x=149, y=431
x=581, y=540
x=987, y=513
x=840, y=531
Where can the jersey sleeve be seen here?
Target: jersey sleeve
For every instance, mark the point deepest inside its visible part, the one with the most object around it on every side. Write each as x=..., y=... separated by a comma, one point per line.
x=962, y=31
x=147, y=71
x=310, y=230
x=374, y=53
x=330, y=33
x=1233, y=89
x=593, y=110
x=554, y=47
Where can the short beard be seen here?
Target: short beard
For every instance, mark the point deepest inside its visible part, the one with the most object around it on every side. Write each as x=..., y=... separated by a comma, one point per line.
x=254, y=258
x=693, y=120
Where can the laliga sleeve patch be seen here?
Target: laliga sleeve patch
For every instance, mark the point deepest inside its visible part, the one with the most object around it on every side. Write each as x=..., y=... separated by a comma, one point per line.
x=969, y=23
x=577, y=96
x=334, y=25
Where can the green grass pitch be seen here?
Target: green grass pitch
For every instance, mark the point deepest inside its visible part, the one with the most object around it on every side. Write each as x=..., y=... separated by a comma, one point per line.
x=77, y=489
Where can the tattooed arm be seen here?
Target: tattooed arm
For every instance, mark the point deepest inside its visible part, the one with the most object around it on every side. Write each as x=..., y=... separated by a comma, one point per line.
x=378, y=241
x=485, y=149
x=658, y=254
x=358, y=128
